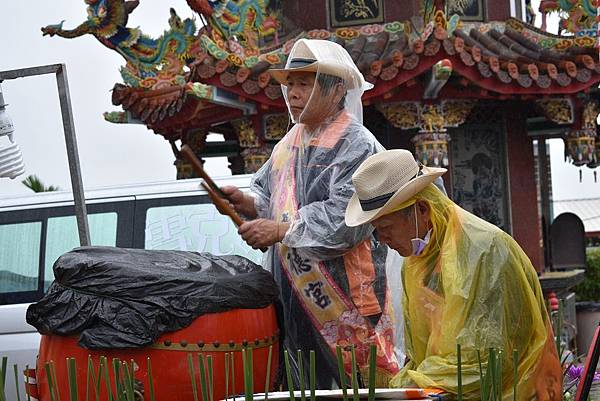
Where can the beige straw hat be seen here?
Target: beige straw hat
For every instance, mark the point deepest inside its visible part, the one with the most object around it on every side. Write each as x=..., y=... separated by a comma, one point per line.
x=384, y=181
x=308, y=55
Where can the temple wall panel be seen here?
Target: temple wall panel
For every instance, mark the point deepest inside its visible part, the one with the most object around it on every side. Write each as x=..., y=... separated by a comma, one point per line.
x=497, y=10
x=524, y=205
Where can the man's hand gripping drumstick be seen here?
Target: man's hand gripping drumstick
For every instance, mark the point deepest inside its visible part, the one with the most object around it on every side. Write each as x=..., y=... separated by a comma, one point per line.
x=229, y=201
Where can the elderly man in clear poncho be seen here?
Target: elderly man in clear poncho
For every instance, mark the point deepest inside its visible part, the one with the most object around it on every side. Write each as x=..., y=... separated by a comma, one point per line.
x=332, y=277
x=465, y=282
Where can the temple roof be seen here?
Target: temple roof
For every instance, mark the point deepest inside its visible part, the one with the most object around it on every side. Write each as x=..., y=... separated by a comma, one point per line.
x=490, y=60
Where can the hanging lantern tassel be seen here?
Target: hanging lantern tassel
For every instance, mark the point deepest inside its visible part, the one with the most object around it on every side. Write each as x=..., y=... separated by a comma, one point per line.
x=580, y=176
x=595, y=177
x=431, y=149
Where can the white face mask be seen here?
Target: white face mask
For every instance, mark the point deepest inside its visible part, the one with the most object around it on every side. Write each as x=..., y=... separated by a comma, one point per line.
x=418, y=244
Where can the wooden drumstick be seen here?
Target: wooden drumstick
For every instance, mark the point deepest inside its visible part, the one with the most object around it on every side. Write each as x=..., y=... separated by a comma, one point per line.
x=222, y=205
x=188, y=153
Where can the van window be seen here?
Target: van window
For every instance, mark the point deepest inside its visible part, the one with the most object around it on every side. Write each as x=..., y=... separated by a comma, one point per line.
x=197, y=227
x=62, y=236
x=20, y=256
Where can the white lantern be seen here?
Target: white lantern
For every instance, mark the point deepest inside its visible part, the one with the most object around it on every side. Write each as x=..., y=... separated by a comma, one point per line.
x=11, y=159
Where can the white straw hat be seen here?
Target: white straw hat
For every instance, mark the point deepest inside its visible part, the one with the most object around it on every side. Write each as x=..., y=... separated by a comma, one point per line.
x=384, y=181
x=307, y=55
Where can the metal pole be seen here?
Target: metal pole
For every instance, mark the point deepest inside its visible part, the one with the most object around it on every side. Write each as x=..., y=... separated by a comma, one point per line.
x=73, y=156
x=71, y=141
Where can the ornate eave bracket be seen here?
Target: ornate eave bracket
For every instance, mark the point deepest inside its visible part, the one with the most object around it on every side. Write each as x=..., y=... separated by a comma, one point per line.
x=432, y=121
x=428, y=118
x=559, y=110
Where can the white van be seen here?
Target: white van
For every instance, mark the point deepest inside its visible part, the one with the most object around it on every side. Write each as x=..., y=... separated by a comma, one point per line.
x=35, y=230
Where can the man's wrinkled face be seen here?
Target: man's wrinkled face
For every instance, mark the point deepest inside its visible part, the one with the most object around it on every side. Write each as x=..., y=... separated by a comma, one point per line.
x=396, y=230
x=299, y=89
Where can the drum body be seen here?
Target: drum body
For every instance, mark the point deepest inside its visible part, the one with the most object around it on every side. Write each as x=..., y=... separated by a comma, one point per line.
x=213, y=334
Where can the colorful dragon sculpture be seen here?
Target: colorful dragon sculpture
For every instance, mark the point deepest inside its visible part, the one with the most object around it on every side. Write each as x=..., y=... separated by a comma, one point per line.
x=246, y=20
x=150, y=62
x=576, y=15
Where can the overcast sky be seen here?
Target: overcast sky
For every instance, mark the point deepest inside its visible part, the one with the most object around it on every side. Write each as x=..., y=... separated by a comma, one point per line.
x=113, y=154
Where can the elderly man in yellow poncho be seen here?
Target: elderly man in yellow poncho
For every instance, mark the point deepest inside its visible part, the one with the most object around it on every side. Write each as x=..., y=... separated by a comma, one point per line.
x=465, y=282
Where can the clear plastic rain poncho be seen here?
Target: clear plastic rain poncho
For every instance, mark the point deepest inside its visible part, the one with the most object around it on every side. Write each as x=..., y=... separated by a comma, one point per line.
x=474, y=285
x=332, y=277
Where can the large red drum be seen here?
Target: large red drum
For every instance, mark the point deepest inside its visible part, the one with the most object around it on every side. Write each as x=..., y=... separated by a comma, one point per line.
x=211, y=334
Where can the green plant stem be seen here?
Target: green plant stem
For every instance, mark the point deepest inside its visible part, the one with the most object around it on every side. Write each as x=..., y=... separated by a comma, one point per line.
x=499, y=375
x=268, y=373
x=342, y=372
x=3, y=374
x=355, y=395
x=129, y=382
x=288, y=374
x=104, y=368
x=226, y=376
x=210, y=377
x=88, y=377
x=246, y=364
x=301, y=369
x=233, y=375
x=54, y=380
x=150, y=378
x=202, y=373
x=49, y=379
x=72, y=373
x=116, y=365
x=192, y=376
x=459, y=396
x=251, y=375
x=18, y=391
x=515, y=373
x=27, y=391
x=313, y=375
x=372, y=371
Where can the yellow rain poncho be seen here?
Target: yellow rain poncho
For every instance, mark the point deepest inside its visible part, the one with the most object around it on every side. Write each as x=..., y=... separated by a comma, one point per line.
x=473, y=285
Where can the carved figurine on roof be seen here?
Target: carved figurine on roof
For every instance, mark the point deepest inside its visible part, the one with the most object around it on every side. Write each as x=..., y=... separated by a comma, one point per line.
x=575, y=15
x=151, y=63
x=239, y=25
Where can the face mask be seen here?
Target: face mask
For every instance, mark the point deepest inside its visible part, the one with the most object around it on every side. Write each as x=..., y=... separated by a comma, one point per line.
x=418, y=244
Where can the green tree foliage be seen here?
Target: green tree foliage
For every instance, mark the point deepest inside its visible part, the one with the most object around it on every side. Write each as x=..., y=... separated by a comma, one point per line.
x=589, y=289
x=36, y=185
